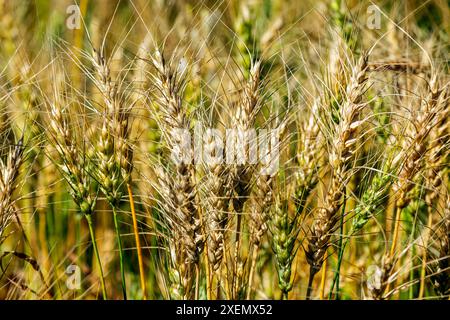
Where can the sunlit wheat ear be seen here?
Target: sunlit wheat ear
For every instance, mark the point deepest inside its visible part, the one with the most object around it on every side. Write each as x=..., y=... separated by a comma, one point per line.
x=409, y=163
x=340, y=159
x=71, y=162
x=310, y=157
x=244, y=119
x=415, y=145
x=438, y=152
x=178, y=184
x=263, y=198
x=386, y=280
x=265, y=179
x=412, y=157
x=113, y=148
x=9, y=171
x=438, y=147
x=383, y=280
x=218, y=193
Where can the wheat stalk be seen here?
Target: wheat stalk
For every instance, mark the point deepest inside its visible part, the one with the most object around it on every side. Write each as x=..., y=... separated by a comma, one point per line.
x=414, y=152
x=410, y=162
x=309, y=157
x=340, y=158
x=243, y=119
x=113, y=150
x=72, y=164
x=178, y=186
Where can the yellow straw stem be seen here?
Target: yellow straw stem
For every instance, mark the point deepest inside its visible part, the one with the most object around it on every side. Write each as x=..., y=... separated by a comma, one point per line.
x=398, y=213
x=396, y=231
x=138, y=243
x=424, y=257
x=322, y=281
x=252, y=270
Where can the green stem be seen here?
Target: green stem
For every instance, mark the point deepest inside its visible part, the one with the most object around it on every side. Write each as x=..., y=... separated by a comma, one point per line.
x=119, y=242
x=97, y=256
x=78, y=235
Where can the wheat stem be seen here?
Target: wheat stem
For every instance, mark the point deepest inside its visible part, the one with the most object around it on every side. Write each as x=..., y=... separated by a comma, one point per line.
x=121, y=258
x=424, y=256
x=237, y=241
x=252, y=269
x=341, y=247
x=138, y=242
x=312, y=273
x=323, y=280
x=97, y=255
x=397, y=220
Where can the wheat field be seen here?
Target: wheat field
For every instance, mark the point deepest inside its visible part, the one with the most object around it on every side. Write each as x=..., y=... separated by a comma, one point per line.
x=231, y=149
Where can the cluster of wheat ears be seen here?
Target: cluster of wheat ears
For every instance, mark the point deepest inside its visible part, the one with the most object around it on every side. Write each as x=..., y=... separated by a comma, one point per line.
x=94, y=204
